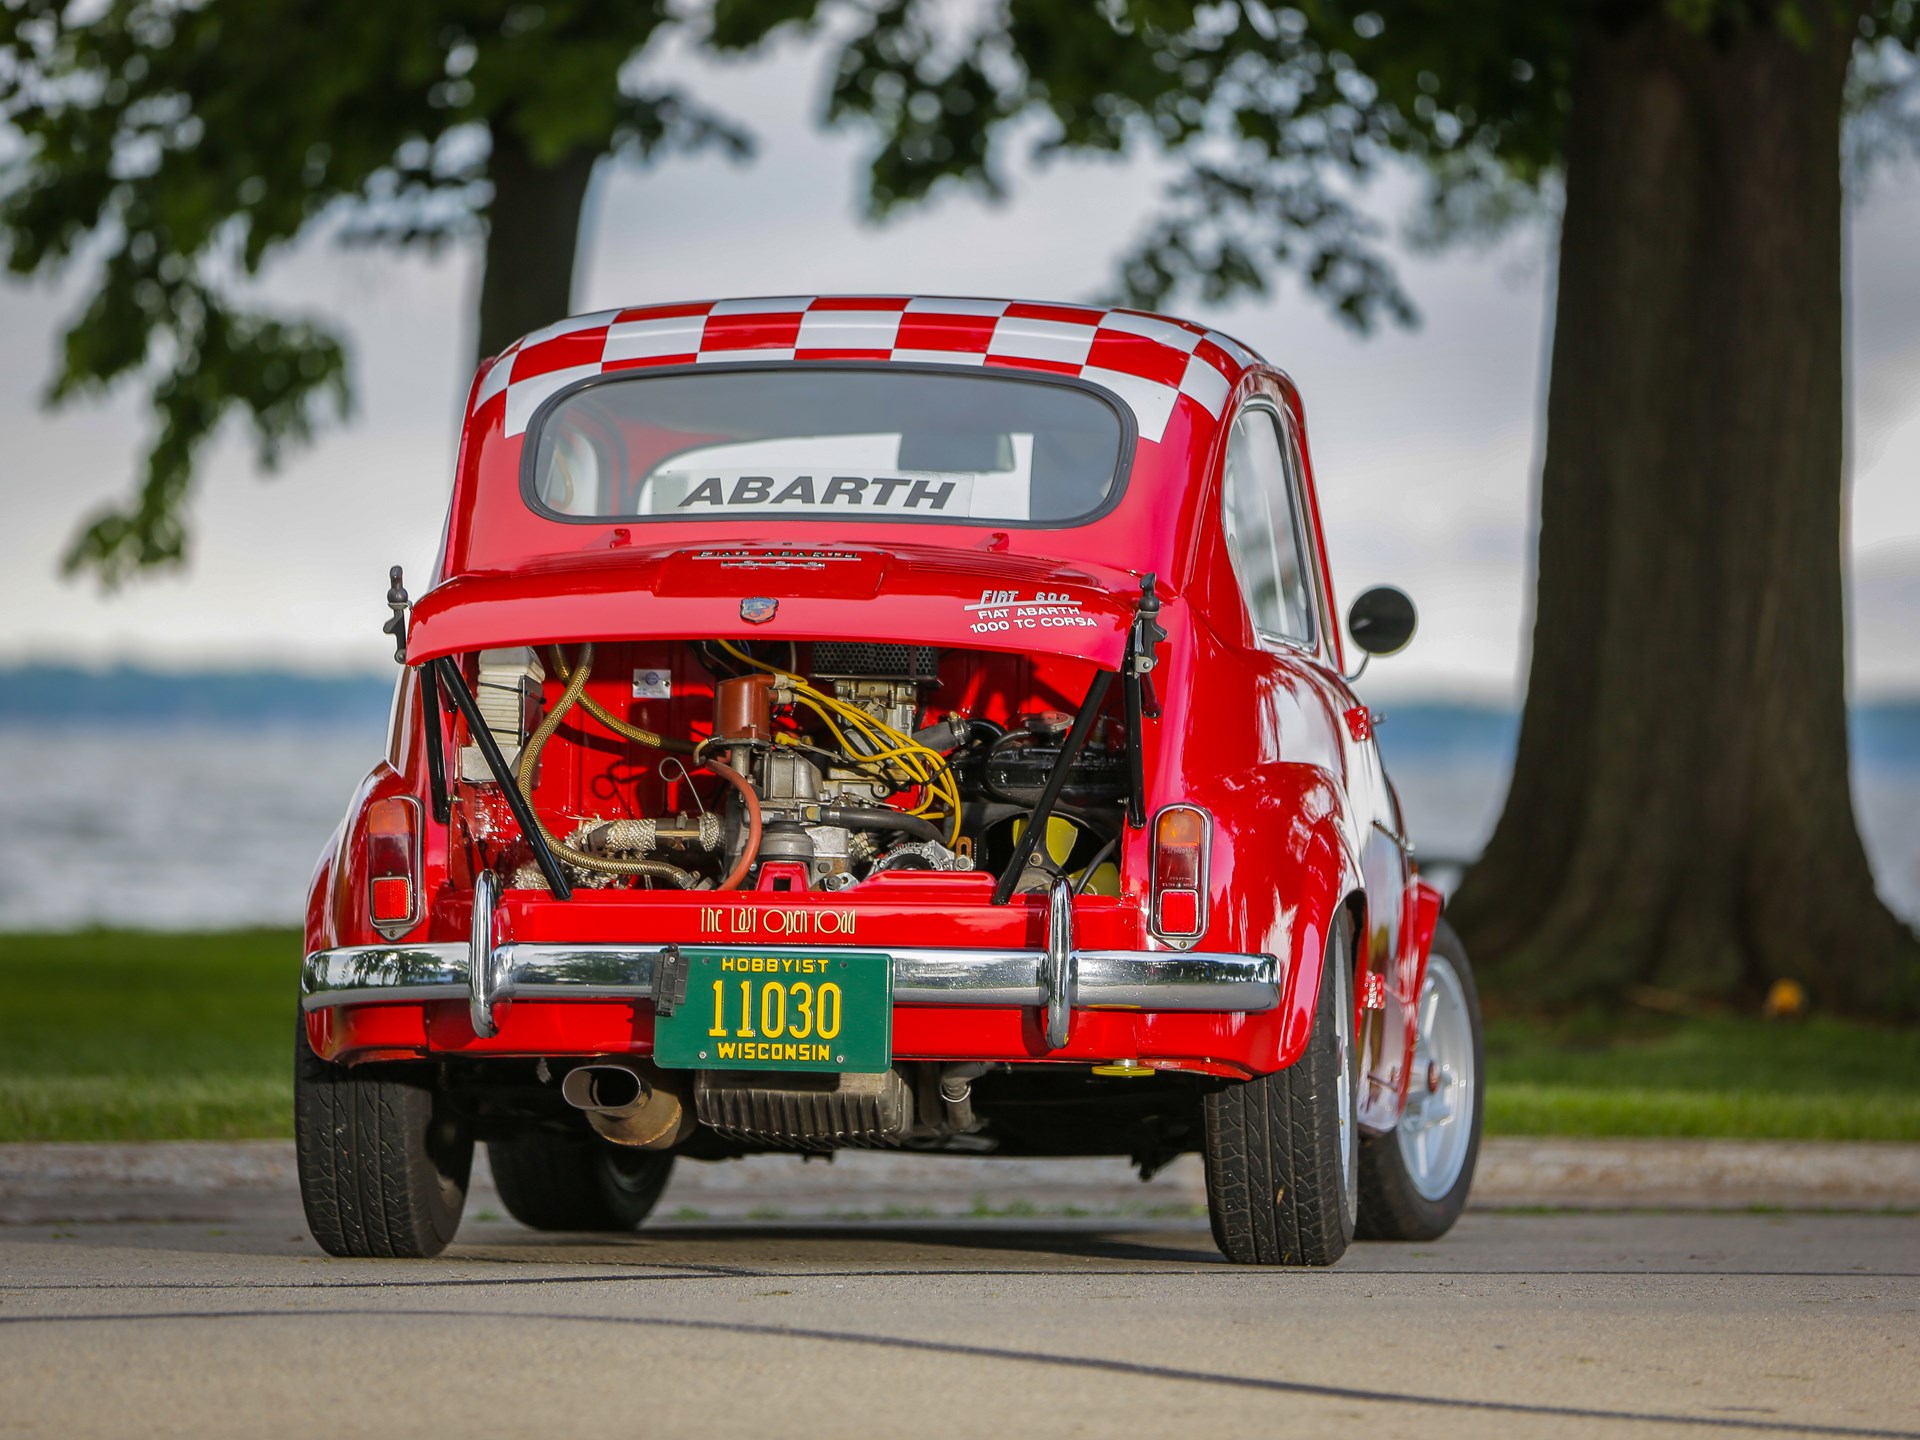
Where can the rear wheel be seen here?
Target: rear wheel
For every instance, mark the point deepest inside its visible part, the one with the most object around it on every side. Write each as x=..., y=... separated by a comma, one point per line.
x=563, y=1182
x=1414, y=1181
x=1282, y=1150
x=383, y=1160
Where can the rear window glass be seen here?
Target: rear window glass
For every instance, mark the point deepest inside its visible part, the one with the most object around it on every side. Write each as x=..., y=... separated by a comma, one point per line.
x=821, y=442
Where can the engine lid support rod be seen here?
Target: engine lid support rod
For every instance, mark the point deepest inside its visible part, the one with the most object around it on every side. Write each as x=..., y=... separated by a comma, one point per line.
x=1056, y=781
x=436, y=739
x=396, y=626
x=1143, y=653
x=456, y=687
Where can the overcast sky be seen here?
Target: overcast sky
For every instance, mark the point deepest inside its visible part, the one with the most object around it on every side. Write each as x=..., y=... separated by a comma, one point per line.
x=1425, y=442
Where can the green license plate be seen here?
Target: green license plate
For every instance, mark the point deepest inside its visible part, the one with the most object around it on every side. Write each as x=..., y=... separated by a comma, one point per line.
x=753, y=1011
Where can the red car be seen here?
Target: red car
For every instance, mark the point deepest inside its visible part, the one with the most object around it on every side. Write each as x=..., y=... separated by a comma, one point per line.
x=890, y=722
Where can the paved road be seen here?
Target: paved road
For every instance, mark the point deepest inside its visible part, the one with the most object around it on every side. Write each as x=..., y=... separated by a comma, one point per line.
x=1516, y=1325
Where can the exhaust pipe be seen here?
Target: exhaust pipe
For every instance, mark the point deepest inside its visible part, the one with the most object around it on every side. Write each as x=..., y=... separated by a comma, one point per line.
x=956, y=1094
x=631, y=1106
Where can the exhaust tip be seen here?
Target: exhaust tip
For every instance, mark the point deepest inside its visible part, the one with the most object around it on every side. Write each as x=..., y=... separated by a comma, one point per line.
x=605, y=1088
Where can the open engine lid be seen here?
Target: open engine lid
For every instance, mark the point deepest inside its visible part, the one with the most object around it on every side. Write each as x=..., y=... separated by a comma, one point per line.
x=976, y=599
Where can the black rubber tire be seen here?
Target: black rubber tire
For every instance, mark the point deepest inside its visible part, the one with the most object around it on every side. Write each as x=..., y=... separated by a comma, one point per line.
x=383, y=1161
x=559, y=1182
x=1276, y=1190
x=1390, y=1207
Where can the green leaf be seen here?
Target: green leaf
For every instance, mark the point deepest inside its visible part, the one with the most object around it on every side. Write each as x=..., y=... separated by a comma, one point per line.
x=173, y=150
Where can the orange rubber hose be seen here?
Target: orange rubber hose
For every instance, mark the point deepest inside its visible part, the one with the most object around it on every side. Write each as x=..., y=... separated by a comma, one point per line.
x=752, y=801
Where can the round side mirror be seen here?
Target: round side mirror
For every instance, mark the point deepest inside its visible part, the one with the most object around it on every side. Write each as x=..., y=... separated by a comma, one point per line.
x=1382, y=620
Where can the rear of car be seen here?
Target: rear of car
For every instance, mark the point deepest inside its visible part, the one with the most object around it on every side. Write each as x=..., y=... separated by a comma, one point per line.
x=798, y=750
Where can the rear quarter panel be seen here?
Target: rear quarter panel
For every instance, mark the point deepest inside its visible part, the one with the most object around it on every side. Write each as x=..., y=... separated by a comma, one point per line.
x=337, y=904
x=1303, y=812
x=1254, y=741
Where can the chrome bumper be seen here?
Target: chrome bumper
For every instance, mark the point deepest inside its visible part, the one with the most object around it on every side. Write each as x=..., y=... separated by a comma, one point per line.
x=1107, y=979
x=1059, y=979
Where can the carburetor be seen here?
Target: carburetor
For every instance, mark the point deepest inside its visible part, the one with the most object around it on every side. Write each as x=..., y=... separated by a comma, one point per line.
x=892, y=702
x=820, y=805
x=790, y=785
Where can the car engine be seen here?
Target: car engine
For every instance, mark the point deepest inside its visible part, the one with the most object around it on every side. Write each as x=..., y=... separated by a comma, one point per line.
x=807, y=767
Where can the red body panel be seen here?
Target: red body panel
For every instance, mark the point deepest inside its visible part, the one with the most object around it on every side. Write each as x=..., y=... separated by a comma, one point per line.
x=1307, y=831
x=693, y=593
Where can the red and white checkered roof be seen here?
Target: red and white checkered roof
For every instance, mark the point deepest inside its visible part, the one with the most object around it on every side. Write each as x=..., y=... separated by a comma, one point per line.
x=1149, y=361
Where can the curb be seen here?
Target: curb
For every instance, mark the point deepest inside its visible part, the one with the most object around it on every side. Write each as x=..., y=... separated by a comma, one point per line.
x=1664, y=1174
x=209, y=1180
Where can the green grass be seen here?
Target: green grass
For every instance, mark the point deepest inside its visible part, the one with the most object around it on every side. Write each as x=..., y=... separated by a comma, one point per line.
x=1528, y=1109
x=112, y=1035
x=1816, y=1079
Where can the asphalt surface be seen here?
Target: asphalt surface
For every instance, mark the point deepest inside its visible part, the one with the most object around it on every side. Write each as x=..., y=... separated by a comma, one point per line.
x=1517, y=1324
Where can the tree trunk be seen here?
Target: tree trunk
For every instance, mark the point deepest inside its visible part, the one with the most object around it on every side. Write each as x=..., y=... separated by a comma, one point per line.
x=1680, y=815
x=533, y=235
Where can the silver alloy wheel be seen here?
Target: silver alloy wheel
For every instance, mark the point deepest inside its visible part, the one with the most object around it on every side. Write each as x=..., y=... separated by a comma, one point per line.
x=1437, y=1126
x=1344, y=1088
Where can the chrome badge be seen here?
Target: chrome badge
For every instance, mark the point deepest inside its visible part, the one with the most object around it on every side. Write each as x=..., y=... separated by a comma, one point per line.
x=758, y=609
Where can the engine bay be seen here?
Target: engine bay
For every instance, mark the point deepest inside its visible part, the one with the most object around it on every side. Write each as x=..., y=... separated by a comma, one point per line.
x=734, y=764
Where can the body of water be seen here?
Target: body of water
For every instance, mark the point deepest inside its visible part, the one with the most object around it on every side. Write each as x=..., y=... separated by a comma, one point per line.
x=187, y=826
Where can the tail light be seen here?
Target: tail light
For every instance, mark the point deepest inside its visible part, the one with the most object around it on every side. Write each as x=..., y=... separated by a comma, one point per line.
x=393, y=864
x=1182, y=837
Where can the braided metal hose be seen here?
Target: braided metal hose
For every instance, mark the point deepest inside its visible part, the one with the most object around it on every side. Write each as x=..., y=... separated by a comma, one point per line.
x=600, y=712
x=637, y=837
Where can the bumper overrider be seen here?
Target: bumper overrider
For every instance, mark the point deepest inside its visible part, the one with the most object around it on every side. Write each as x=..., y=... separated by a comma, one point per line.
x=1057, y=980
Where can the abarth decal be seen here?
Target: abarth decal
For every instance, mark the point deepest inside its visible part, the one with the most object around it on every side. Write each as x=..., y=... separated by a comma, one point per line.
x=894, y=494
x=774, y=559
x=998, y=610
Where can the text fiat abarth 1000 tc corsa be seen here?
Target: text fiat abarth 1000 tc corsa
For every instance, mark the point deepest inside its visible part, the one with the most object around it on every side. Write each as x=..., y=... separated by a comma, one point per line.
x=883, y=722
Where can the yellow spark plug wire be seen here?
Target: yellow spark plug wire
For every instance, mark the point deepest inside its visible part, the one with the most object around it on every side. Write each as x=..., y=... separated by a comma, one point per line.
x=920, y=763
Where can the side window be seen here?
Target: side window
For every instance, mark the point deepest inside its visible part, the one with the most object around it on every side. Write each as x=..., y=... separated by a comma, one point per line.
x=1263, y=531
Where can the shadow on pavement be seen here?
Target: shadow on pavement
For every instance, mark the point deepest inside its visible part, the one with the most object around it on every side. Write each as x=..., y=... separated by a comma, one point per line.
x=752, y=1245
